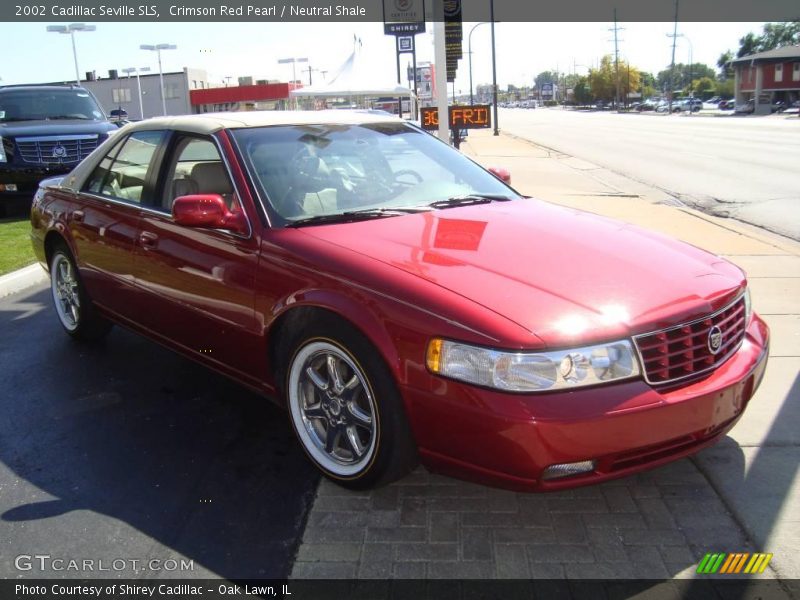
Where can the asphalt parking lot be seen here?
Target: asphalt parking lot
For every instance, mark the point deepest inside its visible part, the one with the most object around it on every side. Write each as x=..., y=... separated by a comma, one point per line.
x=128, y=452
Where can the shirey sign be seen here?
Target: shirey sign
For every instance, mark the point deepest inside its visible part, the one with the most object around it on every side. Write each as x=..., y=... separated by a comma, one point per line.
x=403, y=17
x=477, y=116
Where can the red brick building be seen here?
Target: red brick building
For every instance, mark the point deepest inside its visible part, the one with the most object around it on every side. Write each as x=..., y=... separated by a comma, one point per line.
x=768, y=77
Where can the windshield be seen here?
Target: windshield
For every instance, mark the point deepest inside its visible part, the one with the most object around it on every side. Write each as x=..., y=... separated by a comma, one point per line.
x=307, y=171
x=50, y=104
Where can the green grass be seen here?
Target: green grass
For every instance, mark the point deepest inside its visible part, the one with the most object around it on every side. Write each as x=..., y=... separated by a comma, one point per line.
x=15, y=245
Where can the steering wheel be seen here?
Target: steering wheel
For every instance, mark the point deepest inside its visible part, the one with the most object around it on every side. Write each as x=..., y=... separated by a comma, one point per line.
x=308, y=174
x=408, y=173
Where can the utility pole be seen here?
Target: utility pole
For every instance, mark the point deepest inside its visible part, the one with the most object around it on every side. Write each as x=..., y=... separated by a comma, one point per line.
x=616, y=57
x=672, y=64
x=494, y=69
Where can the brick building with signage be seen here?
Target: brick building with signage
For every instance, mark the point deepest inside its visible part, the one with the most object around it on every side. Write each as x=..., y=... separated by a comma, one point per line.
x=768, y=77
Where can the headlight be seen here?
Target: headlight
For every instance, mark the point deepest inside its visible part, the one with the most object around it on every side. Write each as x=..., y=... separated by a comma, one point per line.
x=748, y=307
x=2, y=151
x=533, y=371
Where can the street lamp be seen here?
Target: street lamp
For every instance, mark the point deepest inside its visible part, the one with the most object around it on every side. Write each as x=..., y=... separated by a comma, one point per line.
x=71, y=29
x=494, y=69
x=158, y=48
x=293, y=61
x=130, y=70
x=469, y=51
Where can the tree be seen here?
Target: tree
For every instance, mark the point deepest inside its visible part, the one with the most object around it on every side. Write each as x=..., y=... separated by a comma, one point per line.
x=725, y=88
x=703, y=87
x=603, y=80
x=773, y=35
x=724, y=65
x=647, y=84
x=776, y=35
x=683, y=75
x=582, y=91
x=749, y=44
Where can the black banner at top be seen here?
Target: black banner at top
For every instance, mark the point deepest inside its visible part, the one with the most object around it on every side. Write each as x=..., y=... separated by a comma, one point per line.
x=347, y=11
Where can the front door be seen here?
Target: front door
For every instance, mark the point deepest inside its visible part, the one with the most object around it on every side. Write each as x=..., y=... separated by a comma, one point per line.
x=198, y=283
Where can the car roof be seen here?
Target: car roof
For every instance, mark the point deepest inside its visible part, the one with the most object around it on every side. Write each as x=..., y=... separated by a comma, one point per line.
x=213, y=122
x=33, y=86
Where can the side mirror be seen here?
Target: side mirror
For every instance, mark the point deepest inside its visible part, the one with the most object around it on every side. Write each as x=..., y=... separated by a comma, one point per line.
x=207, y=210
x=501, y=173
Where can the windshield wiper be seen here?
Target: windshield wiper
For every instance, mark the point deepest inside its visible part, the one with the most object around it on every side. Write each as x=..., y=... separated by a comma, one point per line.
x=468, y=199
x=358, y=215
x=68, y=117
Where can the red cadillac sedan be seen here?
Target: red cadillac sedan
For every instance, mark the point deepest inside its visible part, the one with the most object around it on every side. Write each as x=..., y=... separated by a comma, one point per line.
x=403, y=303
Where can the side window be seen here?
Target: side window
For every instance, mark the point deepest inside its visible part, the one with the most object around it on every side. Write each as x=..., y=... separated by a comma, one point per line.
x=197, y=168
x=123, y=176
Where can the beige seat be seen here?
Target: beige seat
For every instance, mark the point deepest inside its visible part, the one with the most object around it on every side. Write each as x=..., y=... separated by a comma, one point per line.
x=211, y=178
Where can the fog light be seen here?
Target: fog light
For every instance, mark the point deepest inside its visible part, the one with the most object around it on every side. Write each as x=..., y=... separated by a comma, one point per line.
x=568, y=469
x=8, y=187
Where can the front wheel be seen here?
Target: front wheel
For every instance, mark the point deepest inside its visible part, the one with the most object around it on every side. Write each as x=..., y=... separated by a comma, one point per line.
x=73, y=305
x=345, y=408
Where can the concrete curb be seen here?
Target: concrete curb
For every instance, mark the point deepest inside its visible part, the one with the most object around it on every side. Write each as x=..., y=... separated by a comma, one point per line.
x=21, y=279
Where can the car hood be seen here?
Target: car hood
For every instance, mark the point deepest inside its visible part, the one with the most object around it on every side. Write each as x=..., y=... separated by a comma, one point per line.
x=60, y=127
x=559, y=273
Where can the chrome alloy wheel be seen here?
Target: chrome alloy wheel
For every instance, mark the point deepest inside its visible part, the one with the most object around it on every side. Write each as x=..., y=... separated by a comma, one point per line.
x=66, y=295
x=332, y=408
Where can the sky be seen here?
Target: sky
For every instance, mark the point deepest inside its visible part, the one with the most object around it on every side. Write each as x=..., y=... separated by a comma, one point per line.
x=241, y=49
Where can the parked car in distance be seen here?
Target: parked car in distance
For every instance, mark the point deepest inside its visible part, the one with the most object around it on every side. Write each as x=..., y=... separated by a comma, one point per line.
x=692, y=104
x=400, y=301
x=745, y=108
x=45, y=130
x=726, y=104
x=778, y=106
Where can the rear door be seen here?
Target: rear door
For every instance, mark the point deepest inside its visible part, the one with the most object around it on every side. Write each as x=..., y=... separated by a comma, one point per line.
x=198, y=284
x=105, y=229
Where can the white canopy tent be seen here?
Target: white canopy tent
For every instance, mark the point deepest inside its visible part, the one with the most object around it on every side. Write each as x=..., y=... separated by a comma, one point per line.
x=355, y=78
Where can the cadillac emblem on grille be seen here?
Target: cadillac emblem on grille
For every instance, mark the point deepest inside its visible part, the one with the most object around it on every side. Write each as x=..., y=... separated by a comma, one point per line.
x=59, y=151
x=714, y=339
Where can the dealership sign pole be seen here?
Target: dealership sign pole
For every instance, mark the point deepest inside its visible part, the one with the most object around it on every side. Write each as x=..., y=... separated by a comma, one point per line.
x=404, y=19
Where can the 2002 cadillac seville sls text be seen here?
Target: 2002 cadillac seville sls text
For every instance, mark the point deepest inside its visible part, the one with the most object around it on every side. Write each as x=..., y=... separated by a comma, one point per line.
x=403, y=303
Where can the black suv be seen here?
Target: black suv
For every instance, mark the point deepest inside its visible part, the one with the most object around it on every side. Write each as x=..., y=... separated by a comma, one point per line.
x=45, y=130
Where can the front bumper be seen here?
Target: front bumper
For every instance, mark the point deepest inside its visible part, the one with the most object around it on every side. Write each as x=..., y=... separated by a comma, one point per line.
x=509, y=440
x=27, y=177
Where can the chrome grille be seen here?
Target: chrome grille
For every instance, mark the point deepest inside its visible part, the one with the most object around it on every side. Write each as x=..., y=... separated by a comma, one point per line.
x=683, y=351
x=55, y=150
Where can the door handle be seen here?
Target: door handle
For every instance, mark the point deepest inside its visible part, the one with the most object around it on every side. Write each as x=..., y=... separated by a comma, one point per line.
x=148, y=240
x=77, y=216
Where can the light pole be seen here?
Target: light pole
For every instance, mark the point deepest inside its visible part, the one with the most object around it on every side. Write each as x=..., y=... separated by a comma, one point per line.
x=71, y=29
x=293, y=61
x=158, y=48
x=469, y=51
x=494, y=70
x=130, y=70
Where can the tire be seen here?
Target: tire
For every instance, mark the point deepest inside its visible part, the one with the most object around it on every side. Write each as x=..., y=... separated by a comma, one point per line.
x=344, y=406
x=74, y=307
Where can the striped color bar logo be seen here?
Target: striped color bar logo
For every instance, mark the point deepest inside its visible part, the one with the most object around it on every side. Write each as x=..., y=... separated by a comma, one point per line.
x=742, y=562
